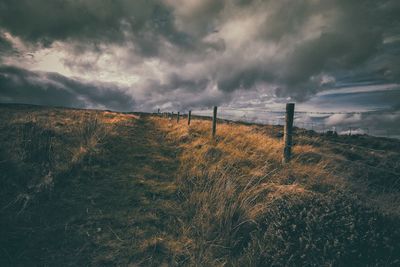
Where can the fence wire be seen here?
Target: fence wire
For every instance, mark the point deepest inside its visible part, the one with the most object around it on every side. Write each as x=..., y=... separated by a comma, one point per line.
x=309, y=120
x=305, y=132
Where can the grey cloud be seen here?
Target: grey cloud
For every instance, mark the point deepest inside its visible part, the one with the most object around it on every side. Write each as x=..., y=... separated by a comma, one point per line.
x=388, y=100
x=178, y=94
x=5, y=46
x=367, y=123
x=287, y=17
x=47, y=20
x=382, y=122
x=243, y=2
x=93, y=22
x=244, y=79
x=350, y=41
x=342, y=39
x=197, y=17
x=175, y=83
x=23, y=86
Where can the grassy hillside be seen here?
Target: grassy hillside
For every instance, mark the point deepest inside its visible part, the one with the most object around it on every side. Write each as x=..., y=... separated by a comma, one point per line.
x=334, y=204
x=85, y=187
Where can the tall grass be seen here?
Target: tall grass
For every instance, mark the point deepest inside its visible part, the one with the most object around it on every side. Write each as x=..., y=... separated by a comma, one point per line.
x=47, y=164
x=246, y=209
x=42, y=145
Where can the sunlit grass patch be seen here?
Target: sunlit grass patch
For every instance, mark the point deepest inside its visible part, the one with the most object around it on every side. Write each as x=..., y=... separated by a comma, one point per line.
x=245, y=208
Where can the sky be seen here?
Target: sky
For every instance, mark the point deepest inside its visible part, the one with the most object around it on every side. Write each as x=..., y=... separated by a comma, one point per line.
x=124, y=55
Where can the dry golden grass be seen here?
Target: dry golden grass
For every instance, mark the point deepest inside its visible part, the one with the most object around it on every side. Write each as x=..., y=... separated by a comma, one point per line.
x=52, y=167
x=248, y=153
x=105, y=188
x=53, y=141
x=245, y=208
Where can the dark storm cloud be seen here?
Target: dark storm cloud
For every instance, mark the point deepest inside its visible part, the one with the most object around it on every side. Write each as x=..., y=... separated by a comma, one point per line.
x=23, y=86
x=290, y=45
x=179, y=94
x=198, y=18
x=92, y=22
x=352, y=40
x=175, y=82
x=5, y=46
x=243, y=79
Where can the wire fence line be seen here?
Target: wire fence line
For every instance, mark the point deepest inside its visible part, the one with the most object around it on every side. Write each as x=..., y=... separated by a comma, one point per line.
x=381, y=165
x=283, y=127
x=259, y=109
x=316, y=140
x=318, y=121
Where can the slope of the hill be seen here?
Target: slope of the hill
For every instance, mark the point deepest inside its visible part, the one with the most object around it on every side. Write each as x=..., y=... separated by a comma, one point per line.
x=335, y=204
x=85, y=188
x=80, y=187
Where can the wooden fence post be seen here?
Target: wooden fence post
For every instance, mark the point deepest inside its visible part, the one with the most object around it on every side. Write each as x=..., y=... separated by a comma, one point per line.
x=214, y=122
x=189, y=117
x=177, y=118
x=288, y=131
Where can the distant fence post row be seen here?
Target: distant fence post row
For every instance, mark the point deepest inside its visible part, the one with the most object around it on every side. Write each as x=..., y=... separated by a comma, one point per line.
x=288, y=128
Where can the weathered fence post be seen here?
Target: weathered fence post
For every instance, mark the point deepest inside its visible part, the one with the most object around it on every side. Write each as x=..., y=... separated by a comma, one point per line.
x=214, y=122
x=177, y=118
x=288, y=131
x=189, y=116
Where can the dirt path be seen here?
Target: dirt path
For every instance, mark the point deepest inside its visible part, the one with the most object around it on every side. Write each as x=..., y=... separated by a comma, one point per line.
x=132, y=215
x=117, y=209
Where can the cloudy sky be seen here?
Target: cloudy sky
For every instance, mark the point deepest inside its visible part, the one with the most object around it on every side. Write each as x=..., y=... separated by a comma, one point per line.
x=337, y=55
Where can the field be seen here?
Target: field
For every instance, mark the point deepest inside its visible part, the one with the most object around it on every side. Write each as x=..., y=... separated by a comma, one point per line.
x=100, y=188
